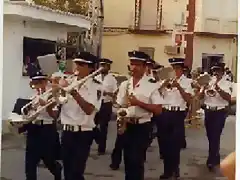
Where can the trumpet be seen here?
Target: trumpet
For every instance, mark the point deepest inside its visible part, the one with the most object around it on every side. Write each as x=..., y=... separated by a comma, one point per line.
x=31, y=116
x=211, y=89
x=167, y=74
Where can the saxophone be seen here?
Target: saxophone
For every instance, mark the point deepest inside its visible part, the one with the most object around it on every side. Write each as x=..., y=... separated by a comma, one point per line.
x=122, y=118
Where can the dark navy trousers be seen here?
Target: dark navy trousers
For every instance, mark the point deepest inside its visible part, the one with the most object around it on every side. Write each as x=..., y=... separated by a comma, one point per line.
x=76, y=148
x=214, y=124
x=102, y=119
x=42, y=144
x=171, y=134
x=135, y=143
x=117, y=152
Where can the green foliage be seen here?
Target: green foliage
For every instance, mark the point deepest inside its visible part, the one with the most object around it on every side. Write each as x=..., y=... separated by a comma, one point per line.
x=73, y=6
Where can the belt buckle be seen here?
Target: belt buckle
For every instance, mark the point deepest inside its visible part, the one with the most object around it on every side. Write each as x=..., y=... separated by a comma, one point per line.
x=175, y=108
x=72, y=128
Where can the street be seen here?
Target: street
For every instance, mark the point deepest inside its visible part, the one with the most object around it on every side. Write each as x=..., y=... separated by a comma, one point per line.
x=192, y=159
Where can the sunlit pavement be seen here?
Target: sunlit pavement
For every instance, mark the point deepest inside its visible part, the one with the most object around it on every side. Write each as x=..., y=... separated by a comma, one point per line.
x=192, y=159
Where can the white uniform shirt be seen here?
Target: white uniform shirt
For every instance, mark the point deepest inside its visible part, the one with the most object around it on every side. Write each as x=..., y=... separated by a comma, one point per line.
x=234, y=90
x=218, y=101
x=173, y=98
x=144, y=91
x=71, y=112
x=109, y=84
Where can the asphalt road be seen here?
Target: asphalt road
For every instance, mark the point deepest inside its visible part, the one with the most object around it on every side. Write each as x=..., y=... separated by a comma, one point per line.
x=192, y=159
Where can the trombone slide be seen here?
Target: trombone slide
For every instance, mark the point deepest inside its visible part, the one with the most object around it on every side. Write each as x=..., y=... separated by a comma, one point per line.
x=82, y=81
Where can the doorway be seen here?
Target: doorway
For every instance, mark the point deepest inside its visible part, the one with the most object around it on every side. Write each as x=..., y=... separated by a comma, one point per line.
x=209, y=59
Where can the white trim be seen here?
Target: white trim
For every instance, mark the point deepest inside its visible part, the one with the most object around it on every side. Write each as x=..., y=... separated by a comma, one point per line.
x=216, y=67
x=39, y=77
x=104, y=63
x=48, y=55
x=136, y=58
x=46, y=14
x=149, y=62
x=82, y=60
x=176, y=63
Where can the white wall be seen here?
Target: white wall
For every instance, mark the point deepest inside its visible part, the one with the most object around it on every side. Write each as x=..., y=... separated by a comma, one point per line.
x=14, y=84
x=214, y=46
x=218, y=16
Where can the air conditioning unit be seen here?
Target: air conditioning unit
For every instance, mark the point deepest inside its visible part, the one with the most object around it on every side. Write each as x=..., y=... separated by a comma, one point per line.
x=172, y=50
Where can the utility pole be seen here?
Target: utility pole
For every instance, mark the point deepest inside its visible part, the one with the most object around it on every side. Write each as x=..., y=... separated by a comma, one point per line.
x=190, y=28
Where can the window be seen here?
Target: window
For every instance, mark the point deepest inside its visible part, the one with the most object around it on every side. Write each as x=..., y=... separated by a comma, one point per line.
x=148, y=14
x=148, y=50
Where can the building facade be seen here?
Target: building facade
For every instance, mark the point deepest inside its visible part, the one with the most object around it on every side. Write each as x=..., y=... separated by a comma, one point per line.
x=27, y=20
x=194, y=29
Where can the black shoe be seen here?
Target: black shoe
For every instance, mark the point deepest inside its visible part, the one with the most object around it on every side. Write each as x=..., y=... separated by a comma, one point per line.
x=165, y=176
x=176, y=174
x=161, y=156
x=211, y=167
x=114, y=167
x=184, y=145
x=58, y=175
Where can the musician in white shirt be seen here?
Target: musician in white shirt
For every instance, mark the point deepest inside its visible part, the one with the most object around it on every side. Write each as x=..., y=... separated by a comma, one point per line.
x=143, y=101
x=109, y=86
x=217, y=96
x=156, y=120
x=176, y=95
x=42, y=136
x=77, y=117
x=150, y=65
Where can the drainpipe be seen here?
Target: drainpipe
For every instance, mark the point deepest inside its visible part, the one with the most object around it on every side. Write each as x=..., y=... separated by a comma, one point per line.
x=101, y=28
x=161, y=14
x=191, y=8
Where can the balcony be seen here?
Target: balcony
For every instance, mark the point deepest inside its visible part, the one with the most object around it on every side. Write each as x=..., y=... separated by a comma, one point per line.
x=151, y=17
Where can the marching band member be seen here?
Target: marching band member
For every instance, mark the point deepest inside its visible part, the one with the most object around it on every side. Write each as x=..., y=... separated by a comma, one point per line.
x=109, y=86
x=77, y=117
x=157, y=119
x=228, y=75
x=143, y=102
x=42, y=135
x=149, y=67
x=172, y=127
x=217, y=96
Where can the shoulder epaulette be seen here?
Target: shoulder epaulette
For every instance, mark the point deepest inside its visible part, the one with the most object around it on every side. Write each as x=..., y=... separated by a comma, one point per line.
x=152, y=80
x=96, y=81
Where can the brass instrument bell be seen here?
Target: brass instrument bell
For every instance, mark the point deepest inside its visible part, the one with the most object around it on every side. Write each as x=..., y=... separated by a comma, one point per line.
x=211, y=89
x=167, y=74
x=203, y=79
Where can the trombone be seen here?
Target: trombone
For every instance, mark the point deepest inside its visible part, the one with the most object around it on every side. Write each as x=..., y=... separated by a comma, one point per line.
x=30, y=117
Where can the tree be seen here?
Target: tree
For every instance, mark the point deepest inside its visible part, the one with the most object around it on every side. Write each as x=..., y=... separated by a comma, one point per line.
x=72, y=6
